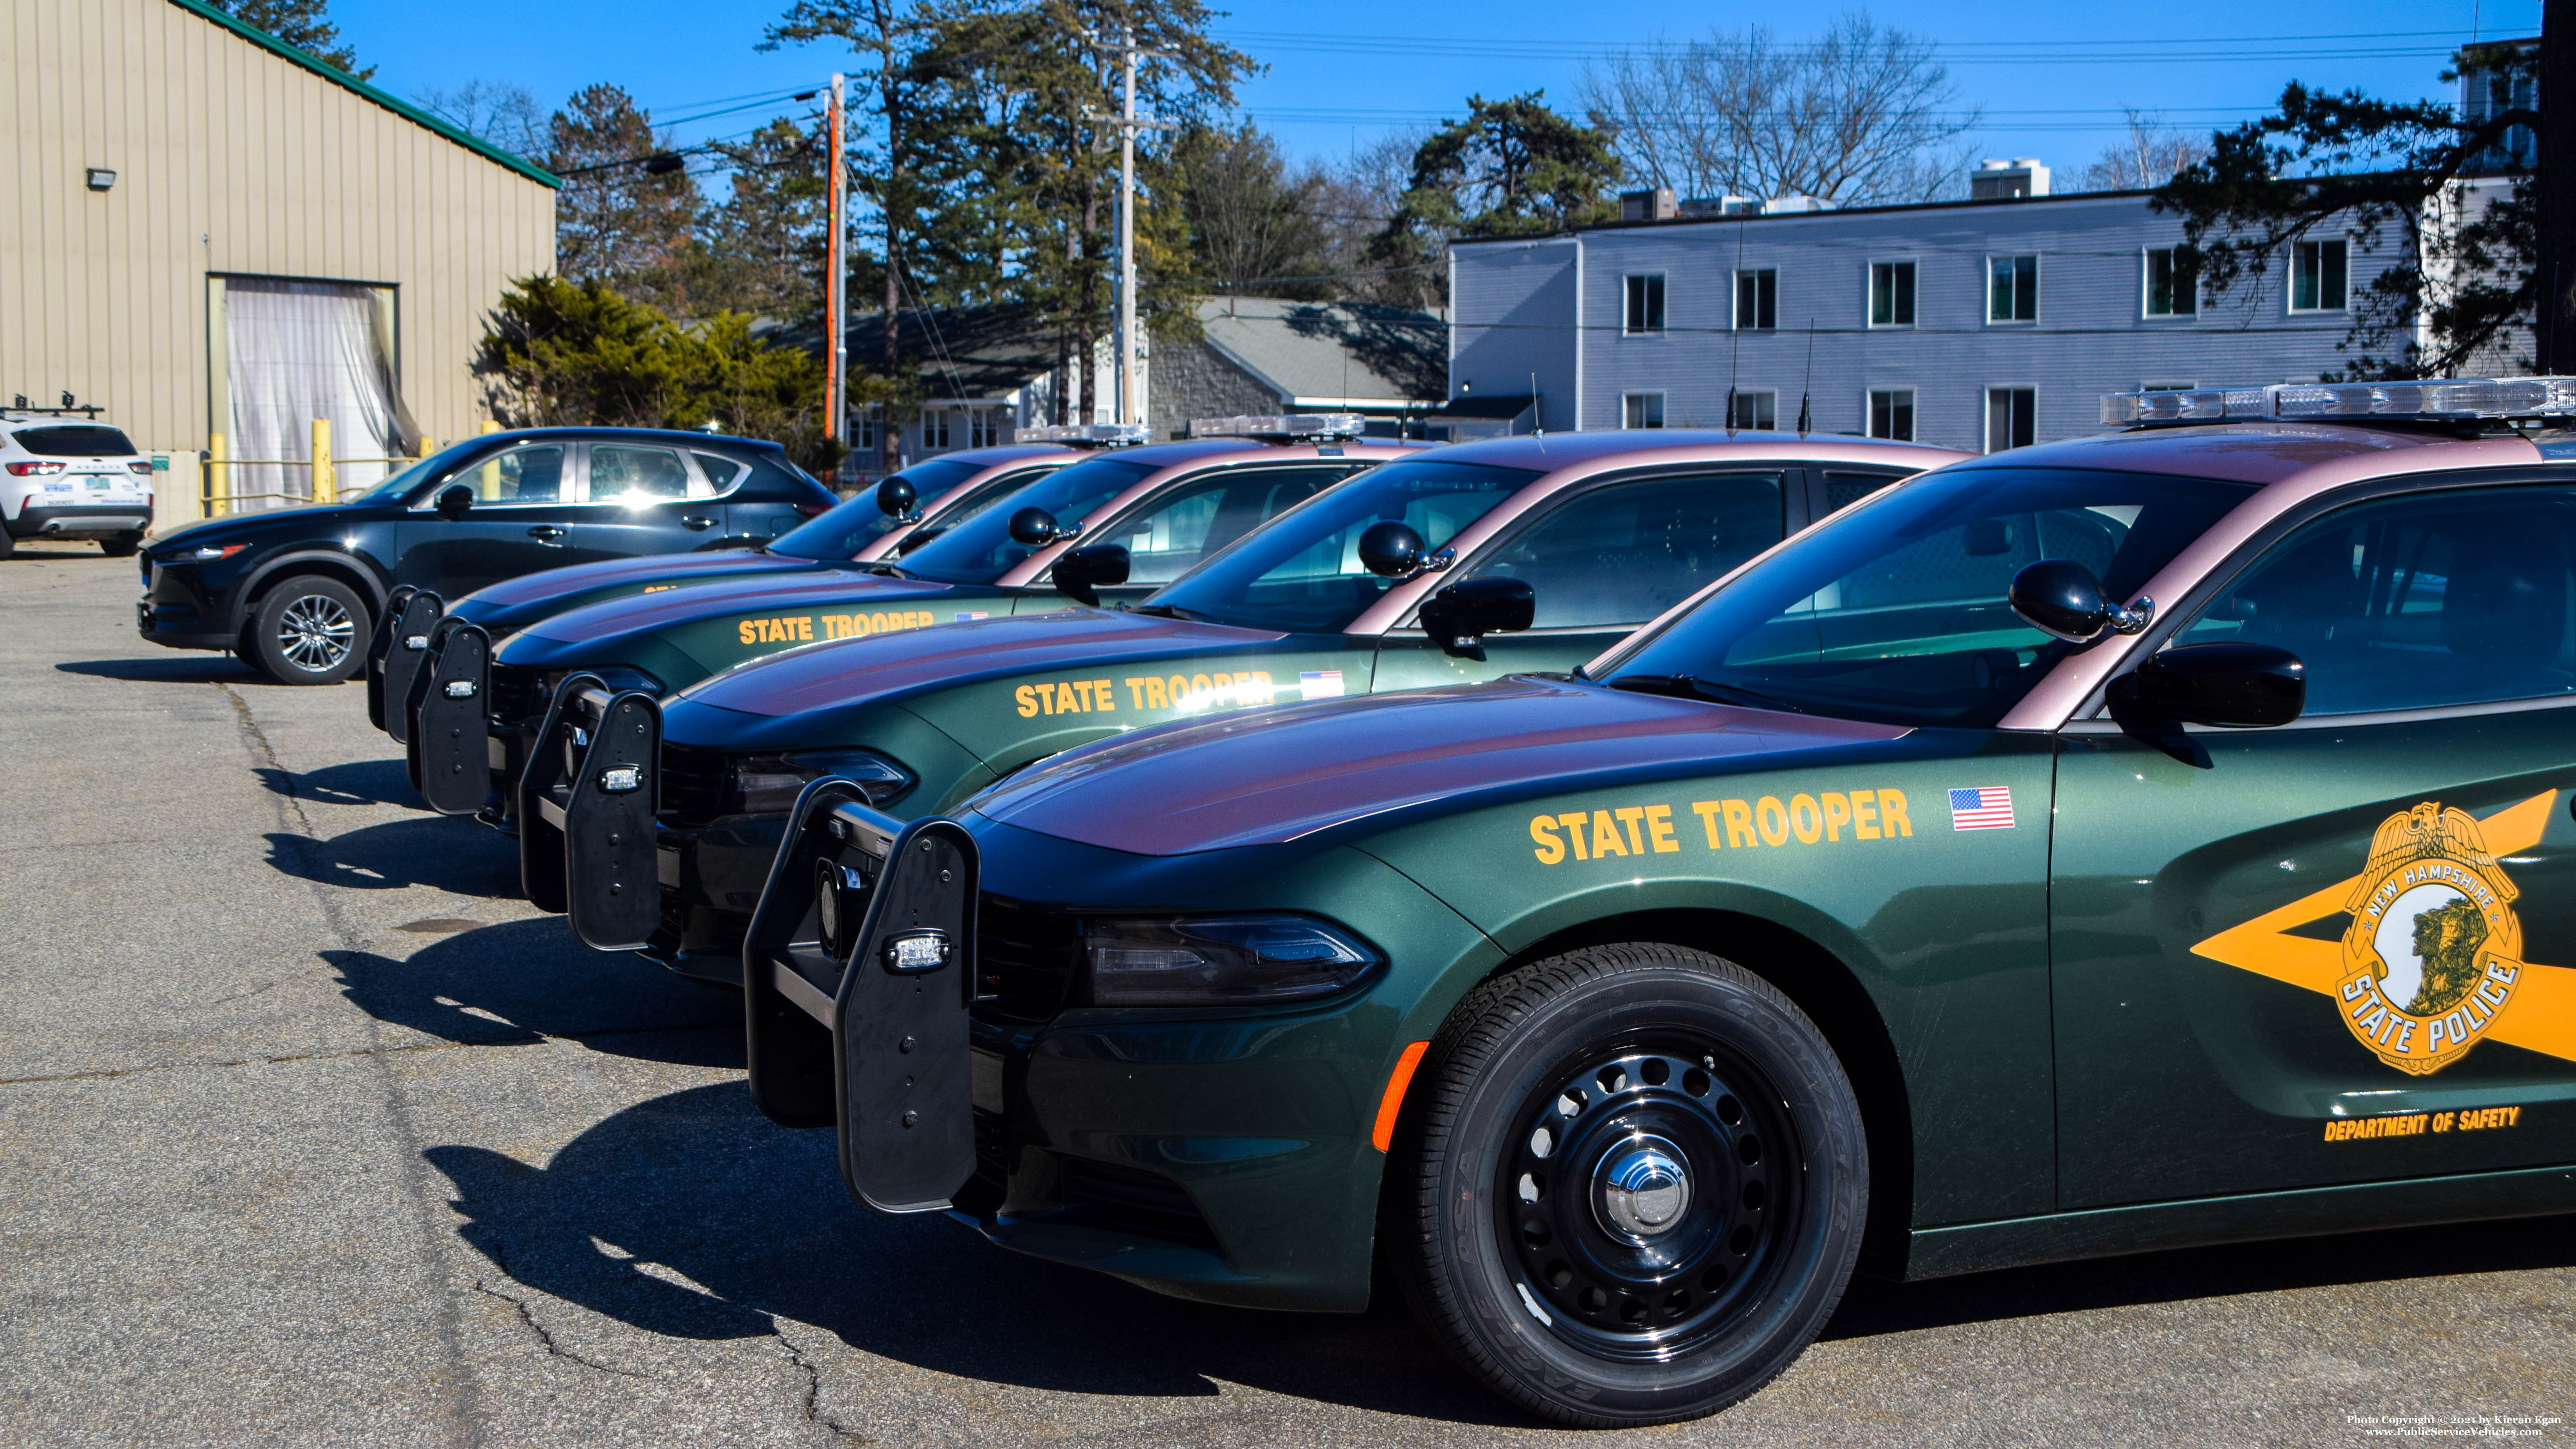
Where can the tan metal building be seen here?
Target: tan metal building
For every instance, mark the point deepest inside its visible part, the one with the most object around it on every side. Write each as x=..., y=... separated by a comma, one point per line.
x=206, y=231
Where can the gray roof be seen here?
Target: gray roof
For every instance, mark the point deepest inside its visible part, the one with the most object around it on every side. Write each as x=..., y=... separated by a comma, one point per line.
x=1320, y=354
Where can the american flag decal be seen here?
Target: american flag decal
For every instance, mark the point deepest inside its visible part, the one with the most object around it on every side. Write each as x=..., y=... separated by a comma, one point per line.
x=1988, y=807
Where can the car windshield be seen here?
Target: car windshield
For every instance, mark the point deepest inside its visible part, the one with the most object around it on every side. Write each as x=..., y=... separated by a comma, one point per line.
x=981, y=549
x=1302, y=573
x=76, y=440
x=857, y=522
x=1895, y=612
x=399, y=487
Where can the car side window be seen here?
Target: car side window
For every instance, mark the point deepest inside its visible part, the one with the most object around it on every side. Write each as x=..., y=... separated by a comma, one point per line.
x=529, y=474
x=1843, y=489
x=625, y=473
x=2423, y=602
x=1168, y=538
x=1617, y=556
x=722, y=472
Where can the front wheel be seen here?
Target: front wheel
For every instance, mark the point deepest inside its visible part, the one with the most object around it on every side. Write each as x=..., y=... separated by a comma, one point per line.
x=309, y=630
x=1635, y=1185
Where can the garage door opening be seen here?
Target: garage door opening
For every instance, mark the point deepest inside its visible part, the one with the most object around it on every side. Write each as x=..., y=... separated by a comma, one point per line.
x=289, y=351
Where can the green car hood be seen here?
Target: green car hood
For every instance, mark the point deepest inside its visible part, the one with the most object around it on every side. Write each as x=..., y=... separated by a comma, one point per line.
x=1276, y=776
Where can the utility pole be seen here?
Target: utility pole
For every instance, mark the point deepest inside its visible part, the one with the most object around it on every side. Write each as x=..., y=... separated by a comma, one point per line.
x=836, y=300
x=2555, y=94
x=1128, y=125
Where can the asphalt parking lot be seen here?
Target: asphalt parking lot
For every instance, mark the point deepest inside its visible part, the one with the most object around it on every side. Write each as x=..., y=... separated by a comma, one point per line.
x=311, y=1131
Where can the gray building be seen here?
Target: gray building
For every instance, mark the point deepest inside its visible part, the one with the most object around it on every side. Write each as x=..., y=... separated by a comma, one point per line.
x=1269, y=355
x=1978, y=324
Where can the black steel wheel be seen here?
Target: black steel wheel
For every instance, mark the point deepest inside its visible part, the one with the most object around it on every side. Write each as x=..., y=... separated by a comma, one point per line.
x=1636, y=1183
x=308, y=630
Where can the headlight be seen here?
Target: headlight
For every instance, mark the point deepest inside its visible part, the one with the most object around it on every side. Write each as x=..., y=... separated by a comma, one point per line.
x=1220, y=960
x=207, y=554
x=620, y=679
x=769, y=784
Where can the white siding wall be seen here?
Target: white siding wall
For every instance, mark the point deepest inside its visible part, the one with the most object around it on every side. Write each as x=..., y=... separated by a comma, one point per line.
x=1521, y=297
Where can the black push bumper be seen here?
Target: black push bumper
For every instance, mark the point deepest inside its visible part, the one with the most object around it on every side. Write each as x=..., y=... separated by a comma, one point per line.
x=395, y=654
x=857, y=975
x=585, y=810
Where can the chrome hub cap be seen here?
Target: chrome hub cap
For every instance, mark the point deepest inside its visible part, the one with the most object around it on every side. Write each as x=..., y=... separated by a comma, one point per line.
x=1642, y=1189
x=315, y=633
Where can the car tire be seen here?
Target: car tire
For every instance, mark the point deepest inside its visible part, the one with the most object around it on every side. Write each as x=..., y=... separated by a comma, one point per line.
x=8, y=542
x=308, y=629
x=121, y=546
x=1714, y=1187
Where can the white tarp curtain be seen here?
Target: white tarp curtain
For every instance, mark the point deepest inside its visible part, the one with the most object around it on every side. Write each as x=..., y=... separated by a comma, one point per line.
x=295, y=351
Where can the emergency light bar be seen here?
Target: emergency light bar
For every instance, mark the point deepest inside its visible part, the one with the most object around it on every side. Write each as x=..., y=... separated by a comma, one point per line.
x=2434, y=399
x=1280, y=425
x=1096, y=435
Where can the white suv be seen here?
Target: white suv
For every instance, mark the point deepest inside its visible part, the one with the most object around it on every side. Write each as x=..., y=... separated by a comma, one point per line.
x=64, y=474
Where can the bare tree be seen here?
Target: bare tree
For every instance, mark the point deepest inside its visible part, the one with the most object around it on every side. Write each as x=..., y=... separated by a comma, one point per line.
x=504, y=114
x=2145, y=159
x=1860, y=115
x=1253, y=222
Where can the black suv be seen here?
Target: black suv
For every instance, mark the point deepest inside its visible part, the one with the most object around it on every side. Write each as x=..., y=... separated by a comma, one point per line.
x=295, y=591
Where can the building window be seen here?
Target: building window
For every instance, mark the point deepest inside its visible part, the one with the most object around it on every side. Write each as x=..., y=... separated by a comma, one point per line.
x=1891, y=413
x=2012, y=289
x=2173, y=286
x=1891, y=294
x=2318, y=271
x=865, y=429
x=2167, y=386
x=983, y=427
x=1641, y=410
x=1758, y=411
x=1645, y=304
x=2008, y=418
x=1757, y=300
x=934, y=427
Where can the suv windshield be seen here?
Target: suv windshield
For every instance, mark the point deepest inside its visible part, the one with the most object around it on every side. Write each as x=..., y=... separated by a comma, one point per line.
x=75, y=440
x=981, y=549
x=1302, y=573
x=1895, y=613
x=399, y=486
x=855, y=523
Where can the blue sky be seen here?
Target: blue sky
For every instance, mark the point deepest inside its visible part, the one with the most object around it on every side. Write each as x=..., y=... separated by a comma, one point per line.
x=2050, y=77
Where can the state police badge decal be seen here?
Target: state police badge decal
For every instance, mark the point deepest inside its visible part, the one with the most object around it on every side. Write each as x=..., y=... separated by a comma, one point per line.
x=2434, y=950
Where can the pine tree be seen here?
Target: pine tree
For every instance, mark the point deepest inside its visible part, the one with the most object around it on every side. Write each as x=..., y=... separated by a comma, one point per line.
x=304, y=24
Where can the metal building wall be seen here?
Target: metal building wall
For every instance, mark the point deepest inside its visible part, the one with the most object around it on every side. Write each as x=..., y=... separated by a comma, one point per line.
x=230, y=159
x=1522, y=297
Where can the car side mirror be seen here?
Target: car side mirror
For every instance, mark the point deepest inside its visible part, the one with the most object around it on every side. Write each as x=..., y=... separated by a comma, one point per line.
x=895, y=498
x=2227, y=683
x=1080, y=572
x=1391, y=550
x=455, y=501
x=1035, y=527
x=1460, y=616
x=2061, y=597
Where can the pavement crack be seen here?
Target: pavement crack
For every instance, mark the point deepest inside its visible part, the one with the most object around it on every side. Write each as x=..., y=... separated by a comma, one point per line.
x=268, y=753
x=813, y=1388
x=547, y=1338
x=534, y=1038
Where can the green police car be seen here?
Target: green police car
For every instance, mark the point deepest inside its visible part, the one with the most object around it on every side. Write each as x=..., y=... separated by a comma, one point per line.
x=1462, y=563
x=2148, y=840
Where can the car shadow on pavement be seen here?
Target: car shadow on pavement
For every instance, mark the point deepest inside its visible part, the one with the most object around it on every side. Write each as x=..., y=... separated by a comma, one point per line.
x=457, y=856
x=523, y=981
x=1876, y=1305
x=191, y=667
x=692, y=1216
x=359, y=782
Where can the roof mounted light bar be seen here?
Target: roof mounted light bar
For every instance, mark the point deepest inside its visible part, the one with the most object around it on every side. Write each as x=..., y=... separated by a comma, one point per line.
x=1280, y=425
x=1087, y=435
x=2435, y=400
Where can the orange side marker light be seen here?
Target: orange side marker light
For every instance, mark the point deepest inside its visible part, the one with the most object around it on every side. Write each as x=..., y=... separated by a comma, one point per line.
x=1393, y=1101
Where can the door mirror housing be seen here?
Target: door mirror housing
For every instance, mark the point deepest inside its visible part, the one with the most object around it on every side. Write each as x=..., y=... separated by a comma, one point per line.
x=455, y=501
x=1036, y=528
x=2227, y=683
x=2061, y=597
x=1081, y=571
x=1460, y=616
x=1391, y=550
x=895, y=499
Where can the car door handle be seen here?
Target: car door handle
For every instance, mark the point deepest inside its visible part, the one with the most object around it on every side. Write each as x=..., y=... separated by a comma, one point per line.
x=692, y=520
x=548, y=533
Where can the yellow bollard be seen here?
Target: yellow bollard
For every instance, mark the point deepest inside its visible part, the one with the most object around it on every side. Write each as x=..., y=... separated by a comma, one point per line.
x=214, y=487
x=326, y=484
x=491, y=426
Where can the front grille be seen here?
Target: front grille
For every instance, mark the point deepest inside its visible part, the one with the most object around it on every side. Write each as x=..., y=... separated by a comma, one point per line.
x=1127, y=1199
x=1025, y=960
x=515, y=695
x=693, y=784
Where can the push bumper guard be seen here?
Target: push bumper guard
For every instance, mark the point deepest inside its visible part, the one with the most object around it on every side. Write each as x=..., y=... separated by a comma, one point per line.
x=586, y=806
x=395, y=655
x=857, y=973
x=450, y=744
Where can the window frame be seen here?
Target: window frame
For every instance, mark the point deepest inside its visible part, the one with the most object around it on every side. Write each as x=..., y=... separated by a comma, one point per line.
x=1869, y=294
x=1986, y=424
x=1640, y=397
x=941, y=442
x=2016, y=258
x=1735, y=316
x=1747, y=394
x=2147, y=285
x=572, y=488
x=701, y=487
x=1869, y=397
x=1657, y=290
x=2290, y=295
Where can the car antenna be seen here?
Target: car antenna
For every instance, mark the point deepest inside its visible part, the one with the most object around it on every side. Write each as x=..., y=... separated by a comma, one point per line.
x=1807, y=388
x=1736, y=353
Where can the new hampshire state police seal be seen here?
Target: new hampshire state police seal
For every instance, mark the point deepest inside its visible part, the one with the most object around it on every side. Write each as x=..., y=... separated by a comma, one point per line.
x=2434, y=951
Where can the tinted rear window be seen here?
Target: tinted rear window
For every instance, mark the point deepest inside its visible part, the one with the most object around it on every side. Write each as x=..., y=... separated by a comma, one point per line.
x=75, y=440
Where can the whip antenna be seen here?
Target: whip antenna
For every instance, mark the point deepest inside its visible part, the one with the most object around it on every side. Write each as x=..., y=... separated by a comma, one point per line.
x=1806, y=420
